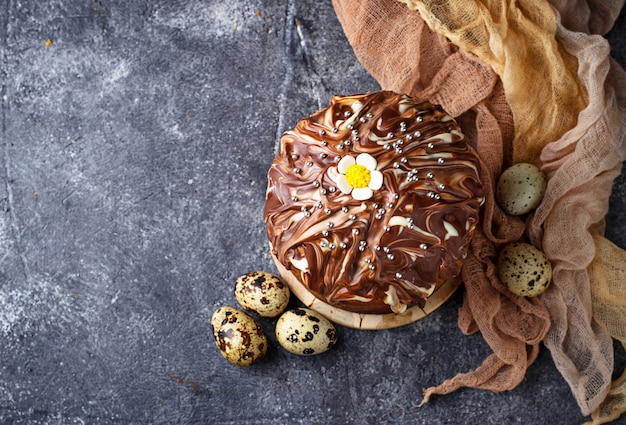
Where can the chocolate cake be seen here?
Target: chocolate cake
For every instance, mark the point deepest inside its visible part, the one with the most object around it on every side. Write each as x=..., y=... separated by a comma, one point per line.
x=372, y=202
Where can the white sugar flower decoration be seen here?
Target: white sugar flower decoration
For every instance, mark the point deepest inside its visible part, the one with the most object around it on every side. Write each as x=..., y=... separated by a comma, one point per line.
x=359, y=176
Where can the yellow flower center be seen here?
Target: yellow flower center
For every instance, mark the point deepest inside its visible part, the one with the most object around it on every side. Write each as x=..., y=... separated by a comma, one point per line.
x=358, y=176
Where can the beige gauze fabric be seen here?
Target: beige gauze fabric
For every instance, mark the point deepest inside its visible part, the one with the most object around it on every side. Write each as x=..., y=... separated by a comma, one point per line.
x=588, y=283
x=582, y=157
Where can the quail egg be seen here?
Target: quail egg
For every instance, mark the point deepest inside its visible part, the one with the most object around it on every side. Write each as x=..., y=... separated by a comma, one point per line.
x=239, y=338
x=262, y=293
x=520, y=189
x=304, y=332
x=524, y=269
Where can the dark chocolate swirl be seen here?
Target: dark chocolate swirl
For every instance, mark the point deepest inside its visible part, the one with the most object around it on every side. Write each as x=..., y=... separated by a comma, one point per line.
x=393, y=250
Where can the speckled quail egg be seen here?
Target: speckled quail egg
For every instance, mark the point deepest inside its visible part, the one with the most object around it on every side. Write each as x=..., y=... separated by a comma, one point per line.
x=304, y=332
x=524, y=269
x=239, y=338
x=520, y=189
x=262, y=293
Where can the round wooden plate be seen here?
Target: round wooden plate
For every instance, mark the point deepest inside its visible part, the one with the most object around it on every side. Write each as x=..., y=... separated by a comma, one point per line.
x=367, y=321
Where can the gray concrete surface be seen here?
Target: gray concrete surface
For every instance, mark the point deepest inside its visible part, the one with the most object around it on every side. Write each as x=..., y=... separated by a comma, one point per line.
x=134, y=150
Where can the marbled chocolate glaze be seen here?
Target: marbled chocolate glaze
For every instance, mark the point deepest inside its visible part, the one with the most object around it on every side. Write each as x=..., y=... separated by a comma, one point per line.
x=394, y=250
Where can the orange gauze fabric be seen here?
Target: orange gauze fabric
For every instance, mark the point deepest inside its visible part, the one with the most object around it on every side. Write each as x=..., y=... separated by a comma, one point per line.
x=516, y=38
x=398, y=49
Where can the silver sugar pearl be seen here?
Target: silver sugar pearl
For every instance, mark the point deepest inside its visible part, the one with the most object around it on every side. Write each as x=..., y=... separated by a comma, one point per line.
x=441, y=160
x=396, y=196
x=335, y=129
x=386, y=250
x=322, y=132
x=404, y=160
x=355, y=231
x=327, y=211
x=378, y=216
x=344, y=209
x=429, y=175
x=396, y=165
x=352, y=217
x=361, y=248
x=343, y=245
x=441, y=186
x=294, y=156
x=303, y=209
x=362, y=119
x=368, y=260
x=309, y=163
x=323, y=244
x=398, y=275
x=325, y=233
x=389, y=205
x=387, y=229
x=307, y=213
x=437, y=196
x=347, y=113
x=377, y=247
x=323, y=191
x=330, y=224
x=332, y=189
x=390, y=134
x=337, y=158
x=319, y=206
x=363, y=243
x=340, y=146
x=348, y=142
x=390, y=256
x=388, y=146
x=423, y=246
x=419, y=118
x=417, y=134
x=332, y=246
x=369, y=115
x=323, y=155
x=372, y=267
x=296, y=170
x=294, y=198
x=431, y=145
x=350, y=126
x=316, y=184
x=324, y=143
x=355, y=132
x=398, y=151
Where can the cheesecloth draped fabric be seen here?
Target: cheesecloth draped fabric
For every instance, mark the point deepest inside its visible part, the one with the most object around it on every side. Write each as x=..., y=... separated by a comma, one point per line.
x=529, y=81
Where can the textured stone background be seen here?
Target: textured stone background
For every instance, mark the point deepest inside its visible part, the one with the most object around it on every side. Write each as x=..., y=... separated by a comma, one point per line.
x=134, y=150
